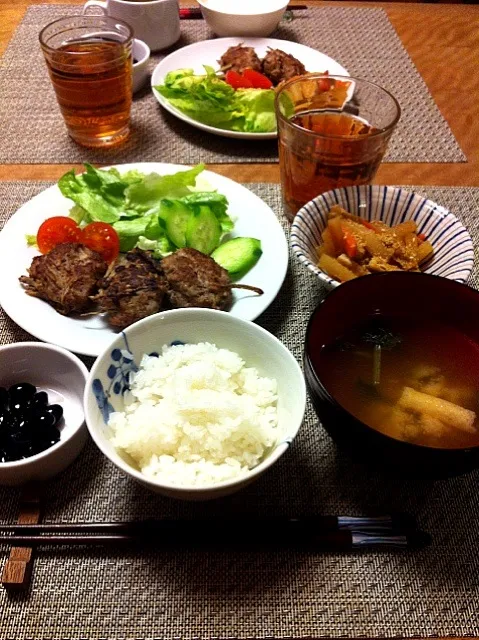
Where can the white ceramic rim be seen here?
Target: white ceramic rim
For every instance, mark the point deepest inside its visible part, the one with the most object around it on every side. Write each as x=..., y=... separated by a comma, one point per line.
x=144, y=48
x=282, y=4
x=262, y=466
x=45, y=346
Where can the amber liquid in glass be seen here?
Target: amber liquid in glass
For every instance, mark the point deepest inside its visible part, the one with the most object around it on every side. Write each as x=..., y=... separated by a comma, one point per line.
x=311, y=165
x=92, y=82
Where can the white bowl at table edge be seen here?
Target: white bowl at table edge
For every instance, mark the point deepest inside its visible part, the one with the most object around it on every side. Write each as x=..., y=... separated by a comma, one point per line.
x=196, y=325
x=67, y=379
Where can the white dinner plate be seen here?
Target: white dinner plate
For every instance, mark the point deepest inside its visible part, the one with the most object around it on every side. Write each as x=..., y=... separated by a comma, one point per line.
x=208, y=52
x=90, y=335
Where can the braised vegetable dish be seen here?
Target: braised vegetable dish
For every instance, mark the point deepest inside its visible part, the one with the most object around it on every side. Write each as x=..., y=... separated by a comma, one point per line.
x=355, y=247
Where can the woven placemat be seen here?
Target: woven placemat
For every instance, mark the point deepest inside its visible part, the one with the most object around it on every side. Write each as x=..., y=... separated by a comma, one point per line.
x=133, y=594
x=361, y=39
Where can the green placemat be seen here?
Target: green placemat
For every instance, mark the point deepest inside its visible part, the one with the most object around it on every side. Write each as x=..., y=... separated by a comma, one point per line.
x=139, y=593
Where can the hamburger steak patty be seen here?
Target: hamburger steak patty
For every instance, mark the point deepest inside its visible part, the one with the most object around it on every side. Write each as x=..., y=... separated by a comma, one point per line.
x=279, y=66
x=196, y=280
x=132, y=289
x=65, y=277
x=239, y=58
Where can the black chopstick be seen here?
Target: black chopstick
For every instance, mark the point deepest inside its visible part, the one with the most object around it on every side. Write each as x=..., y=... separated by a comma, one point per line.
x=321, y=533
x=334, y=541
x=395, y=523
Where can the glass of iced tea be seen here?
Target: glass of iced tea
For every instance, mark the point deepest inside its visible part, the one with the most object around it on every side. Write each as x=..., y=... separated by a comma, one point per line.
x=332, y=132
x=90, y=65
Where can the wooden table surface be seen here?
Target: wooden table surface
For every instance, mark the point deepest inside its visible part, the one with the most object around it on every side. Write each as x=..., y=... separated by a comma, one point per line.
x=443, y=42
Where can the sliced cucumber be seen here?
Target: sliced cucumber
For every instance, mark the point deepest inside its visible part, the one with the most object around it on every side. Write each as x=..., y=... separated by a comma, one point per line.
x=203, y=231
x=238, y=256
x=176, y=217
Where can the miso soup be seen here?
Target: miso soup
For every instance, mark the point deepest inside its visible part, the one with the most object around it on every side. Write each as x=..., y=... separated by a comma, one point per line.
x=413, y=381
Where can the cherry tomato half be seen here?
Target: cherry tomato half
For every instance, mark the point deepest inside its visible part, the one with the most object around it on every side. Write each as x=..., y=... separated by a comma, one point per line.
x=57, y=230
x=102, y=238
x=248, y=79
x=257, y=79
x=237, y=80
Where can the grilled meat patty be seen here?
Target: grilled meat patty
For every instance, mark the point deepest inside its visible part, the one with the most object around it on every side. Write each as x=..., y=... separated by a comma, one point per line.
x=279, y=66
x=239, y=58
x=65, y=277
x=196, y=280
x=132, y=289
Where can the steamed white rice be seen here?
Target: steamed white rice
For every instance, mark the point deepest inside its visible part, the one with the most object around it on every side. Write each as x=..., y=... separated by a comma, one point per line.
x=198, y=416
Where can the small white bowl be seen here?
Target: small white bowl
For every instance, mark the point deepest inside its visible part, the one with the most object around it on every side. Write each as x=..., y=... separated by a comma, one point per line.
x=63, y=376
x=453, y=256
x=243, y=18
x=258, y=347
x=141, y=53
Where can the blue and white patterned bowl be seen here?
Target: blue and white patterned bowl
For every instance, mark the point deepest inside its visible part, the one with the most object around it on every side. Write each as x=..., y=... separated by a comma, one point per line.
x=109, y=380
x=453, y=250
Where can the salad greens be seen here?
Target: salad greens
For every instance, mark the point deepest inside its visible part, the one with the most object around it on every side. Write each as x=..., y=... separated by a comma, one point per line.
x=152, y=212
x=212, y=101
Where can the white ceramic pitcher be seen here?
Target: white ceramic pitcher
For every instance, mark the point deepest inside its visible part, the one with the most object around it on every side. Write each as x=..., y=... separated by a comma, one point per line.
x=156, y=22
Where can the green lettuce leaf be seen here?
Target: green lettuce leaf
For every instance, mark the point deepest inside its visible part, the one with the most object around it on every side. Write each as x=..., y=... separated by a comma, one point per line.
x=160, y=248
x=132, y=176
x=79, y=214
x=88, y=194
x=257, y=106
x=129, y=231
x=212, y=101
x=106, y=182
x=148, y=227
x=145, y=210
x=146, y=196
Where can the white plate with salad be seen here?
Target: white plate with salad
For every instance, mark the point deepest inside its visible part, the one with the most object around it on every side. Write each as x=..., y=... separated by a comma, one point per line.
x=91, y=334
x=247, y=113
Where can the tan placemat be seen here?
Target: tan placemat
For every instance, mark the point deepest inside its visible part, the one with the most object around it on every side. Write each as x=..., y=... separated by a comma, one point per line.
x=361, y=39
x=138, y=594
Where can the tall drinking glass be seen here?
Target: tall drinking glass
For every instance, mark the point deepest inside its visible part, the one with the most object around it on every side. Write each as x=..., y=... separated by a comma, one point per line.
x=332, y=132
x=90, y=65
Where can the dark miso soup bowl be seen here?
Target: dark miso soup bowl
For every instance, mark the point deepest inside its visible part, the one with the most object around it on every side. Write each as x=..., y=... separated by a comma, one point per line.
x=414, y=295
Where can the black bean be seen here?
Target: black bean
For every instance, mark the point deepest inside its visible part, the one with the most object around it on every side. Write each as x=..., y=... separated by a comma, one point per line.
x=44, y=420
x=51, y=436
x=23, y=424
x=42, y=445
x=27, y=422
x=28, y=451
x=57, y=412
x=3, y=398
x=18, y=409
x=40, y=399
x=4, y=420
x=9, y=421
x=4, y=456
x=22, y=392
x=20, y=438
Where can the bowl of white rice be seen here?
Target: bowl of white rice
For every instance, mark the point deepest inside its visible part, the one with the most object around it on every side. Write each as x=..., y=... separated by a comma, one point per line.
x=194, y=403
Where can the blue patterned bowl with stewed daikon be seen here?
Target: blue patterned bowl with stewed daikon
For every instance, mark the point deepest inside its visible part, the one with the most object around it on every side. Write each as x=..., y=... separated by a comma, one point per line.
x=354, y=231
